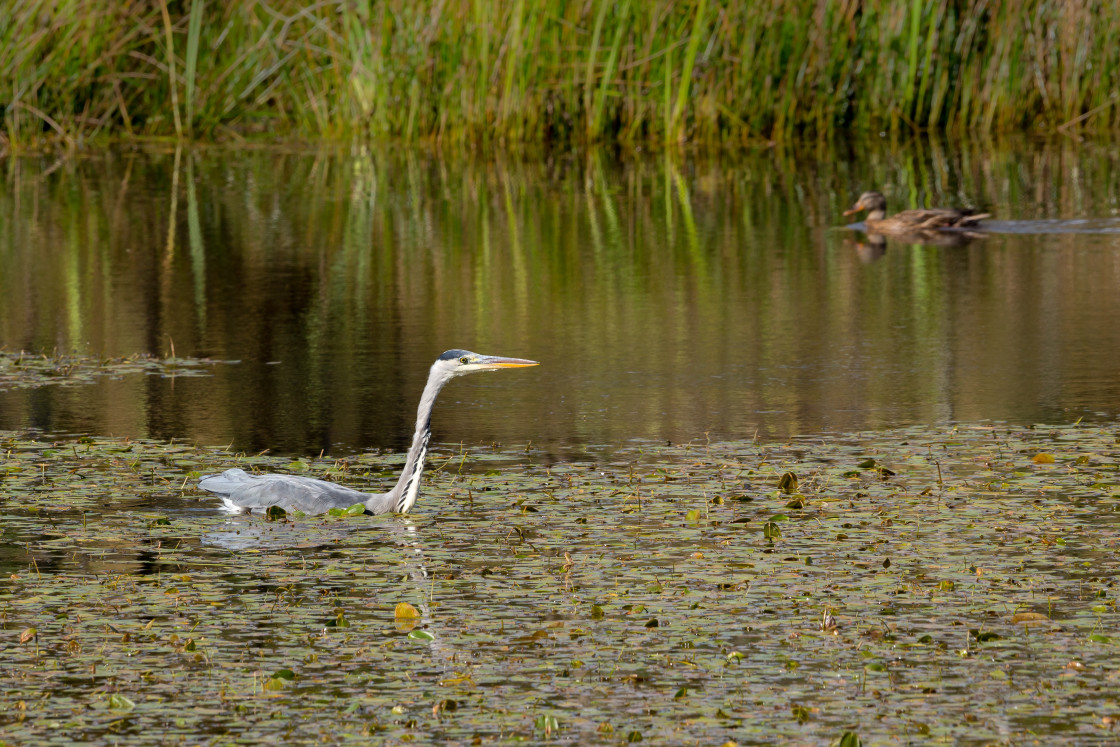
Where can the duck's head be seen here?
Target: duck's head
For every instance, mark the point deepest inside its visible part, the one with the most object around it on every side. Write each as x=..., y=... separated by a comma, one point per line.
x=873, y=201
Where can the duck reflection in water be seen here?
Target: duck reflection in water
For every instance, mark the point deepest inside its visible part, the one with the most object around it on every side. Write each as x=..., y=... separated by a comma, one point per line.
x=873, y=246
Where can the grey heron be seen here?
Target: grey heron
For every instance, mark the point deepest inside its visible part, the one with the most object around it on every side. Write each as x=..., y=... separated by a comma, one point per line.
x=243, y=493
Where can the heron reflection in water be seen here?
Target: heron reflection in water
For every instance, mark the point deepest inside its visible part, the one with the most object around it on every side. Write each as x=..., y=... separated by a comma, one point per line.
x=243, y=493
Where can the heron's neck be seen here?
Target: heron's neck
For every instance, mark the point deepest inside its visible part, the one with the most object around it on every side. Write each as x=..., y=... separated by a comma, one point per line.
x=408, y=486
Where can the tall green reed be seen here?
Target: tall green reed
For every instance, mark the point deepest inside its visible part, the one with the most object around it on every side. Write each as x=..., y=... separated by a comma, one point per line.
x=712, y=72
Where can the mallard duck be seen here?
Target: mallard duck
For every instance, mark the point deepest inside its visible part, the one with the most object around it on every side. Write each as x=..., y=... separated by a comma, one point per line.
x=911, y=221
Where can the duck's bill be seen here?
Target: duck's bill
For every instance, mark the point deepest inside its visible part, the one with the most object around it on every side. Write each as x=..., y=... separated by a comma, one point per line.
x=853, y=211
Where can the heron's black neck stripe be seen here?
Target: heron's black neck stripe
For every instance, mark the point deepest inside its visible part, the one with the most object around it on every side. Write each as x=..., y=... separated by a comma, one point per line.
x=412, y=486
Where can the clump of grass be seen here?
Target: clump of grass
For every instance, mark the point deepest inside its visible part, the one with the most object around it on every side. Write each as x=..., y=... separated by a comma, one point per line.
x=709, y=71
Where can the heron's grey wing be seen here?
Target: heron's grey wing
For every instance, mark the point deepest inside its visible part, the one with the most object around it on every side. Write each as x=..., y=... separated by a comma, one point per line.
x=225, y=483
x=245, y=492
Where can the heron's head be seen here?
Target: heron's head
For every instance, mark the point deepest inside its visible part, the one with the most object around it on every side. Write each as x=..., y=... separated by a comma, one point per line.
x=462, y=362
x=868, y=201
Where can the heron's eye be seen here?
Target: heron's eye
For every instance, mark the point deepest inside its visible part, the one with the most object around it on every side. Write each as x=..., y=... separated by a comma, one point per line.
x=464, y=360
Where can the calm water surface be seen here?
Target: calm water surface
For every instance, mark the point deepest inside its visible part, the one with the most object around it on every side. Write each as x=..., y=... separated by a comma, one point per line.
x=667, y=297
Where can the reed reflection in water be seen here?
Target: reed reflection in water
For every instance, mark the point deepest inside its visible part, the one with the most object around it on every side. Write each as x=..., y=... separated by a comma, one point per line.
x=667, y=298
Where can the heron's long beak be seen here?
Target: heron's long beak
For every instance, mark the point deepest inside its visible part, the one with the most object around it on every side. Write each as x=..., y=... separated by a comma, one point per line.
x=494, y=362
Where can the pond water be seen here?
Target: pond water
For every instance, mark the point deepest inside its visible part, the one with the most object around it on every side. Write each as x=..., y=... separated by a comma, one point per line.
x=926, y=585
x=878, y=570
x=668, y=297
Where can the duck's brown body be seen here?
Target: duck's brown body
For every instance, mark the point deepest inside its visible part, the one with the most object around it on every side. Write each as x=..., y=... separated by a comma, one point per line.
x=911, y=221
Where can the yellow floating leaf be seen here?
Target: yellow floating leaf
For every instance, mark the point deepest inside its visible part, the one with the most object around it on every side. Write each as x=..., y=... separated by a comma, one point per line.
x=1043, y=458
x=405, y=611
x=1025, y=617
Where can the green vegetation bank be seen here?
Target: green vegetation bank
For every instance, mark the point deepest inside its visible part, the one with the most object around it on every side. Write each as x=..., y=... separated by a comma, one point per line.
x=554, y=71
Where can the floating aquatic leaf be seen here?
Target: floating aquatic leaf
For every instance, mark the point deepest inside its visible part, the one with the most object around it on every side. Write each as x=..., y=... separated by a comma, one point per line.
x=21, y=370
x=1029, y=617
x=119, y=702
x=788, y=482
x=445, y=706
x=338, y=621
x=983, y=636
x=515, y=610
x=357, y=509
x=547, y=724
x=405, y=611
x=421, y=635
